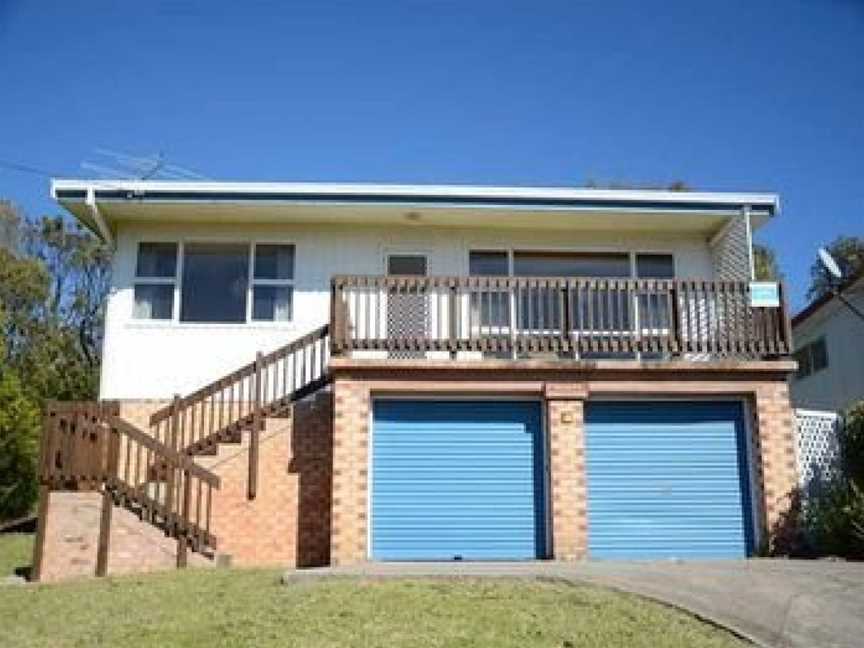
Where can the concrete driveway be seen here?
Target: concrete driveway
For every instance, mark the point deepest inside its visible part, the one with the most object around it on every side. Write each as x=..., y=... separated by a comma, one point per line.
x=776, y=603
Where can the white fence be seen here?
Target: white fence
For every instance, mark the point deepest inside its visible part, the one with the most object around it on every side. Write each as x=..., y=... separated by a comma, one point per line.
x=818, y=448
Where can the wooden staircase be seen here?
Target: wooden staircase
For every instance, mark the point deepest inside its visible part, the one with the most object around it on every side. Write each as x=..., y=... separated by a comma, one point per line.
x=240, y=401
x=155, y=473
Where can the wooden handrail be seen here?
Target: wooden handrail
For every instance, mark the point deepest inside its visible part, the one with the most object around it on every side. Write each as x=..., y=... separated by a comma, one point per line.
x=237, y=376
x=577, y=316
x=88, y=446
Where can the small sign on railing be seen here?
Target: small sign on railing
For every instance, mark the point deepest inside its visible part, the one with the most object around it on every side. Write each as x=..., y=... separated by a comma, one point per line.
x=764, y=294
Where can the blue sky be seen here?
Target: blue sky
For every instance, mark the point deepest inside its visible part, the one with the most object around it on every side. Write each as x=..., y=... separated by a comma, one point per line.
x=723, y=95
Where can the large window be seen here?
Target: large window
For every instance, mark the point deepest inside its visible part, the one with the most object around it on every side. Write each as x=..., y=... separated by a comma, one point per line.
x=595, y=310
x=155, y=281
x=216, y=284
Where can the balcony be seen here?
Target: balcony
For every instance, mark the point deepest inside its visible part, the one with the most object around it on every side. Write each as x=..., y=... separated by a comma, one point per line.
x=553, y=318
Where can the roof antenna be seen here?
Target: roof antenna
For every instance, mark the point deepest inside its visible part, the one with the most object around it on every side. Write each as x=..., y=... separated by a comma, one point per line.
x=115, y=165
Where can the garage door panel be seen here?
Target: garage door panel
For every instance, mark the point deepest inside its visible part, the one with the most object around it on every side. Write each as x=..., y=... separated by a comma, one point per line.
x=666, y=479
x=456, y=479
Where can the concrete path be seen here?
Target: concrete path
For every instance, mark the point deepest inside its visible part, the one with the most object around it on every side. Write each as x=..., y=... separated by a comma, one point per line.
x=775, y=603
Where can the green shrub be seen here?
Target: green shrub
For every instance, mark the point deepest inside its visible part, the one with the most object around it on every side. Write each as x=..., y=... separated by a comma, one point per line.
x=832, y=516
x=19, y=448
x=834, y=520
x=852, y=444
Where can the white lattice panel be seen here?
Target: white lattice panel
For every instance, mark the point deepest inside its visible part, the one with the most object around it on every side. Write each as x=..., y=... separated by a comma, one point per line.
x=730, y=252
x=817, y=445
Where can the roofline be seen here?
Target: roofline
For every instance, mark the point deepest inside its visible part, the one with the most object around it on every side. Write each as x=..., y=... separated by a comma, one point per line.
x=429, y=195
x=817, y=304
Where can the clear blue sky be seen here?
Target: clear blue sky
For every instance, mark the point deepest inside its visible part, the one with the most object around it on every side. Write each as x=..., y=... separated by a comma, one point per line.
x=750, y=95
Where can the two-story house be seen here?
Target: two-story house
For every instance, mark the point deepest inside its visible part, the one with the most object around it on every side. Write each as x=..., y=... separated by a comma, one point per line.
x=307, y=374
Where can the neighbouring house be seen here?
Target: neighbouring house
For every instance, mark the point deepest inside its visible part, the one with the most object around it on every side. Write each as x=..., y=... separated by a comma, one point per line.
x=829, y=347
x=312, y=374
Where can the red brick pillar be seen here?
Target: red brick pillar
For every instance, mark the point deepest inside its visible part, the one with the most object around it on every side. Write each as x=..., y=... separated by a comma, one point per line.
x=776, y=444
x=565, y=422
x=351, y=407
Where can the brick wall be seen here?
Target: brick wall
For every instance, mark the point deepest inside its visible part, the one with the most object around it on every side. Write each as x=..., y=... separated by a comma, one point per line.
x=775, y=445
x=350, y=472
x=72, y=535
x=312, y=501
x=773, y=434
x=287, y=524
x=567, y=470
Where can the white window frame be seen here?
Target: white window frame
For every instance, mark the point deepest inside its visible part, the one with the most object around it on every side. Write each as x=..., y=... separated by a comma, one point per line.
x=174, y=281
x=632, y=254
x=253, y=282
x=177, y=282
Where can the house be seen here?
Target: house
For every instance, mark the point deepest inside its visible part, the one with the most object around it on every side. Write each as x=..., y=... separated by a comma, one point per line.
x=828, y=338
x=311, y=374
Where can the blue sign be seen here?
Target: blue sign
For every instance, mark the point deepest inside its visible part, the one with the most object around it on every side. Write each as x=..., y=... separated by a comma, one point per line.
x=764, y=294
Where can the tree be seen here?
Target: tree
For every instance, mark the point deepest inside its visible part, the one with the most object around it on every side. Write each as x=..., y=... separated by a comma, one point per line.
x=765, y=263
x=53, y=282
x=848, y=251
x=19, y=447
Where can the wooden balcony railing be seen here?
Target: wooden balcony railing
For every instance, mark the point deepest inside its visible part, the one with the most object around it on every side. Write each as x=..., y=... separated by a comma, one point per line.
x=576, y=317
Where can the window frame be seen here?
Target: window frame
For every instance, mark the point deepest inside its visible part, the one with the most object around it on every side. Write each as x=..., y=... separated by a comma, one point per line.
x=278, y=283
x=166, y=280
x=807, y=364
x=181, y=243
x=510, y=250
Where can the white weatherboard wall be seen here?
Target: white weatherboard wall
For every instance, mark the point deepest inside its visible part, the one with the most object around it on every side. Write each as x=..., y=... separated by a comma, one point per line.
x=841, y=384
x=147, y=359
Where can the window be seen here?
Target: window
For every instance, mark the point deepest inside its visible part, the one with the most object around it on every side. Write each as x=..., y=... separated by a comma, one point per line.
x=491, y=307
x=484, y=264
x=273, y=283
x=655, y=266
x=155, y=281
x=570, y=264
x=819, y=351
x=811, y=358
x=406, y=264
x=215, y=282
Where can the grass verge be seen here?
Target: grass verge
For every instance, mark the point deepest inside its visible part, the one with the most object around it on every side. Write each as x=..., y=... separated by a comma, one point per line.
x=251, y=608
x=16, y=552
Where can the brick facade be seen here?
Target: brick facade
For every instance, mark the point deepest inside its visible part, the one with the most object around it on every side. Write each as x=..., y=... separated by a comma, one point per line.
x=287, y=524
x=775, y=445
x=72, y=534
x=564, y=389
x=350, y=472
x=568, y=496
x=312, y=502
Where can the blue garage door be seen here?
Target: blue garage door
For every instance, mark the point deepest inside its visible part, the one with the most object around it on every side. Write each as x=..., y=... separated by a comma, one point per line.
x=667, y=479
x=457, y=480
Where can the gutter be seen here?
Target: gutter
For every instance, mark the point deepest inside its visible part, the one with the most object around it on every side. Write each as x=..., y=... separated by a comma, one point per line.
x=417, y=195
x=104, y=230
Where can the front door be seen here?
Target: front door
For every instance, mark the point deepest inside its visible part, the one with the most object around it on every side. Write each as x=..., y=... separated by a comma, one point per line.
x=407, y=305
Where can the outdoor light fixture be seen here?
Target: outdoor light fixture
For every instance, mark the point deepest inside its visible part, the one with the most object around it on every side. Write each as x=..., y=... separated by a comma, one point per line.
x=836, y=284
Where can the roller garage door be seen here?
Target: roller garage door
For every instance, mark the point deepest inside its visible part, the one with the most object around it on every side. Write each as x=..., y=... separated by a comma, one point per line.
x=457, y=480
x=667, y=479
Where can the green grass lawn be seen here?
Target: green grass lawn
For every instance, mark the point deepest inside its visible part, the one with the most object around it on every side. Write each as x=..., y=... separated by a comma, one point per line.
x=16, y=551
x=251, y=608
